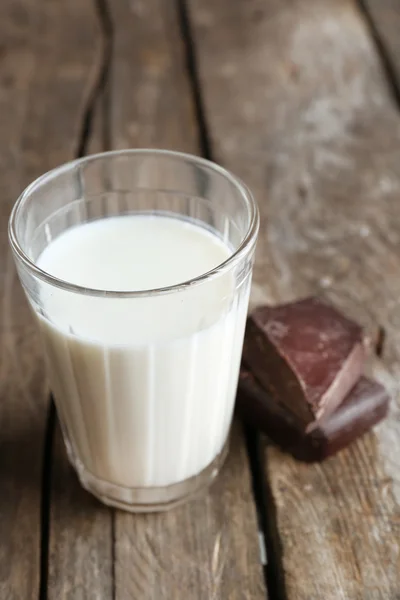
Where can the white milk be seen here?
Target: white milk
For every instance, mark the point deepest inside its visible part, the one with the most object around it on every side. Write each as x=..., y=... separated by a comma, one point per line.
x=145, y=387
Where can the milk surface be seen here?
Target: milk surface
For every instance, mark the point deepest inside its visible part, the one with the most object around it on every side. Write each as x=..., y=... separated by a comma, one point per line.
x=145, y=387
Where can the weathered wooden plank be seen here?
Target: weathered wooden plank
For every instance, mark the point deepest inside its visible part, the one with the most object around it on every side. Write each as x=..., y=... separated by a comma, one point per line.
x=208, y=548
x=150, y=99
x=297, y=105
x=80, y=558
x=205, y=549
x=81, y=529
x=44, y=83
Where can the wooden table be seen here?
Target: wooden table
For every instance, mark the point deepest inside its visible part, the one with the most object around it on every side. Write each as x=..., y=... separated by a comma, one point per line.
x=301, y=99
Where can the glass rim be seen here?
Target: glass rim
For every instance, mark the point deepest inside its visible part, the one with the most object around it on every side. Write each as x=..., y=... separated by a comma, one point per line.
x=247, y=240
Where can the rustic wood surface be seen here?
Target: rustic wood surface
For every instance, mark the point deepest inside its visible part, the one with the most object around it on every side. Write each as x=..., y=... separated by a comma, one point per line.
x=297, y=104
x=80, y=562
x=207, y=549
x=151, y=104
x=42, y=77
x=203, y=550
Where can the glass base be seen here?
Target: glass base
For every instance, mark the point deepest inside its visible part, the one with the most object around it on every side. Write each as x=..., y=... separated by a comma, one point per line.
x=148, y=499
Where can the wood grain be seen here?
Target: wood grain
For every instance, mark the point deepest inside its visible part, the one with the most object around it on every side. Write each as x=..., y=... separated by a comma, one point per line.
x=207, y=549
x=81, y=529
x=80, y=558
x=297, y=105
x=150, y=96
x=44, y=82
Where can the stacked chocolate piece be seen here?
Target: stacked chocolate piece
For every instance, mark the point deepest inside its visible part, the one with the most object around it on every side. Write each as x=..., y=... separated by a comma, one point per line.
x=301, y=380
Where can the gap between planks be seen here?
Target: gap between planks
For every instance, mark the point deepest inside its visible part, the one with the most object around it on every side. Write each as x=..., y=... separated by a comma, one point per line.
x=193, y=76
x=388, y=67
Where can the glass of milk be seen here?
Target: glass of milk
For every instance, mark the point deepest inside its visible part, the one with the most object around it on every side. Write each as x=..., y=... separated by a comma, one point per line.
x=137, y=265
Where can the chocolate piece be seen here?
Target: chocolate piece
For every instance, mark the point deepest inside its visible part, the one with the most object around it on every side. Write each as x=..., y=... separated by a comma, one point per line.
x=306, y=354
x=365, y=405
x=256, y=407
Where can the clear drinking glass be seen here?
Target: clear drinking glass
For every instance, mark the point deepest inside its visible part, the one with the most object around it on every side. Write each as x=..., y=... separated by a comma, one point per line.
x=145, y=418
